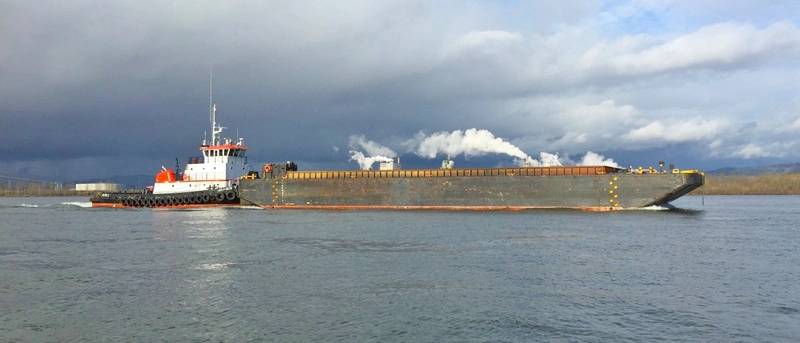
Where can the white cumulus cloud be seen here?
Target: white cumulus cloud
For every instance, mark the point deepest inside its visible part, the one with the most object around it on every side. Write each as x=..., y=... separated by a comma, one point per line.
x=676, y=132
x=795, y=125
x=712, y=46
x=749, y=151
x=482, y=42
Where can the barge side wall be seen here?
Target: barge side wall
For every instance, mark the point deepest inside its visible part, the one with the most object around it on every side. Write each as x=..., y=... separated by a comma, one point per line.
x=613, y=191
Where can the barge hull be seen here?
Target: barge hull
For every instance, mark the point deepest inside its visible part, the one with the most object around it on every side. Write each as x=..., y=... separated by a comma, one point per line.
x=603, y=192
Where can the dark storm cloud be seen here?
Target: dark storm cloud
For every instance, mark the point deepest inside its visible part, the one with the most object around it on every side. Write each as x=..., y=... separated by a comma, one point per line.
x=104, y=84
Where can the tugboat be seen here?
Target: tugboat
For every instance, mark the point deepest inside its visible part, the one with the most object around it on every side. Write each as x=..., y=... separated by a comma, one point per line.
x=212, y=181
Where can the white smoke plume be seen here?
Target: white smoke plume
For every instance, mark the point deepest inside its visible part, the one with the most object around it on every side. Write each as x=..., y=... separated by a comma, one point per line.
x=374, y=152
x=546, y=159
x=366, y=162
x=469, y=143
x=595, y=159
x=474, y=142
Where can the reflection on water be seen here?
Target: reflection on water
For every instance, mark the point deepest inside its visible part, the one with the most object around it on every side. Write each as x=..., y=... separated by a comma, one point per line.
x=215, y=266
x=335, y=245
x=207, y=230
x=207, y=223
x=208, y=284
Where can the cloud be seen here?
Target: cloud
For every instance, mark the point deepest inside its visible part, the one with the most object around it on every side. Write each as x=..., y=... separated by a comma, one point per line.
x=714, y=45
x=482, y=43
x=795, y=125
x=677, y=132
x=564, y=77
x=592, y=126
x=750, y=151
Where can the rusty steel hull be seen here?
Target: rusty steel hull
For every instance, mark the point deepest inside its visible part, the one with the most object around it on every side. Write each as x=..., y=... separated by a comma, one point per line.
x=610, y=191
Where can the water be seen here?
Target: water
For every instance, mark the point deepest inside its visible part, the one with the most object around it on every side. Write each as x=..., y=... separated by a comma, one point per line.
x=724, y=271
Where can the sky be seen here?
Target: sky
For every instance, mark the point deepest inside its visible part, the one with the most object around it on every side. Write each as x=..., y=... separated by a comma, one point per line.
x=92, y=89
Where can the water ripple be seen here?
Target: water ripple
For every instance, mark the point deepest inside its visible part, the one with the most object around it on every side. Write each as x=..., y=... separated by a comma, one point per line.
x=344, y=245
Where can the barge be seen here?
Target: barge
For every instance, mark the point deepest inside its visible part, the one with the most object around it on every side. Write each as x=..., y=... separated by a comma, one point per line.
x=592, y=188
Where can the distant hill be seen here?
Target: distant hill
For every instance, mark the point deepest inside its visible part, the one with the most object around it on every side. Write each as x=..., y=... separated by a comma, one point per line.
x=771, y=169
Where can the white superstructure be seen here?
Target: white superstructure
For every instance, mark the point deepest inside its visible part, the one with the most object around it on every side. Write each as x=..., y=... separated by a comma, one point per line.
x=224, y=162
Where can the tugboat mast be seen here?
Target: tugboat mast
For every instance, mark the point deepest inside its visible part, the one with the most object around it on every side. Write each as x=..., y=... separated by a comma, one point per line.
x=212, y=111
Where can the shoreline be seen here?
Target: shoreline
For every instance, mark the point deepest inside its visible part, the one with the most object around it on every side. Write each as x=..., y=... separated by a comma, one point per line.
x=12, y=194
x=764, y=184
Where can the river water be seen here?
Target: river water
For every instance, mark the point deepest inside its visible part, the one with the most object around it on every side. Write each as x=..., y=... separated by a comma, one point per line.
x=720, y=269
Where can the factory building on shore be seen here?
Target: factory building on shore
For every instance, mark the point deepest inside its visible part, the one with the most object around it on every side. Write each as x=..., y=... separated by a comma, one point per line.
x=99, y=186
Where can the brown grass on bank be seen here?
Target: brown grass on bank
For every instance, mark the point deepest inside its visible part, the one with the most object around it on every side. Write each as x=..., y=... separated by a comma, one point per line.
x=766, y=184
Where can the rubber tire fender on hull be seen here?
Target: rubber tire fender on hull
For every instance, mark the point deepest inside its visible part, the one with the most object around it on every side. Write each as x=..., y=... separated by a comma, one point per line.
x=230, y=195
